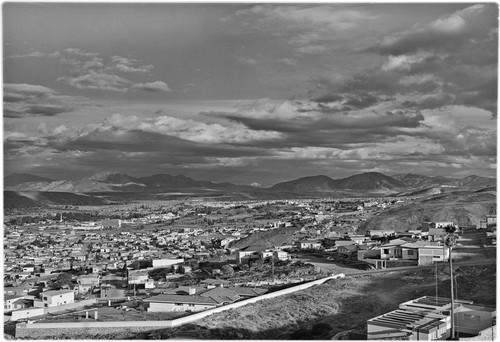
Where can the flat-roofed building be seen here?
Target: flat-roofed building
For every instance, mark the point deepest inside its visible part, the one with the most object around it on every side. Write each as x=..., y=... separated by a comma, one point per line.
x=429, y=318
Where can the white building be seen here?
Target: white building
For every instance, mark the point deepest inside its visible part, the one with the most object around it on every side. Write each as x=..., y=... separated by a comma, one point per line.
x=166, y=262
x=428, y=318
x=55, y=298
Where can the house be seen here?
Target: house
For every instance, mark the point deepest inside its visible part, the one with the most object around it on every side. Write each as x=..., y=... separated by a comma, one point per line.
x=428, y=318
x=437, y=230
x=359, y=239
x=280, y=255
x=427, y=255
x=381, y=233
x=210, y=283
x=14, y=302
x=348, y=249
x=167, y=261
x=249, y=253
x=392, y=250
x=137, y=277
x=309, y=244
x=88, y=282
x=266, y=255
x=55, y=298
x=171, y=303
x=222, y=295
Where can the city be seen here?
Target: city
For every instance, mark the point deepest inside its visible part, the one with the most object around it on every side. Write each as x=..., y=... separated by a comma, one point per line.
x=249, y=171
x=160, y=261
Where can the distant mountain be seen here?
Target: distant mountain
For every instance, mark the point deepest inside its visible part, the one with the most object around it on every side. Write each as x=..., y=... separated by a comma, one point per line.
x=467, y=183
x=370, y=181
x=19, y=178
x=113, y=178
x=111, y=182
x=306, y=184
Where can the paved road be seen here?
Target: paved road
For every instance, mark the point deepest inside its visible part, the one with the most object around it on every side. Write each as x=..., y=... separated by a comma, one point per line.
x=412, y=268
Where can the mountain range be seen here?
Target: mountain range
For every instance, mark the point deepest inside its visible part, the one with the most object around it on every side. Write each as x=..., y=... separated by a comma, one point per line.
x=372, y=182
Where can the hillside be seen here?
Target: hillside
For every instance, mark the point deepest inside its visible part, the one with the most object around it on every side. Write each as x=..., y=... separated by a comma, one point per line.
x=467, y=183
x=307, y=184
x=369, y=181
x=338, y=306
x=16, y=199
x=273, y=237
x=462, y=207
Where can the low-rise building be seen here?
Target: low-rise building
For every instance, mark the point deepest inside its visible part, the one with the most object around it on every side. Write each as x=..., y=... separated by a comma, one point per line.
x=309, y=244
x=429, y=318
x=55, y=298
x=171, y=303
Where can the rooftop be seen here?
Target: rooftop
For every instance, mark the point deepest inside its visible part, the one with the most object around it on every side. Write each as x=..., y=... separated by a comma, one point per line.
x=172, y=298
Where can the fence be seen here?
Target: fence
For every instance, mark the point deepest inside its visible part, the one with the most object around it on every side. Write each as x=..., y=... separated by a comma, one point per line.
x=45, y=330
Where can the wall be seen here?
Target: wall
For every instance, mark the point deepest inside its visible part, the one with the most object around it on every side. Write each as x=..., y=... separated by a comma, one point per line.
x=83, y=329
x=33, y=311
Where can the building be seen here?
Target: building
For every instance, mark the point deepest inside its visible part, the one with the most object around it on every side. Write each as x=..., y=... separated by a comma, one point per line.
x=280, y=255
x=249, y=253
x=171, y=303
x=437, y=230
x=88, y=282
x=14, y=302
x=428, y=318
x=55, y=298
x=428, y=255
x=137, y=277
x=167, y=261
x=309, y=244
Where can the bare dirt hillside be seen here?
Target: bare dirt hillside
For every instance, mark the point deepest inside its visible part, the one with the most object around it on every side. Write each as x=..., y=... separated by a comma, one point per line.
x=274, y=237
x=466, y=208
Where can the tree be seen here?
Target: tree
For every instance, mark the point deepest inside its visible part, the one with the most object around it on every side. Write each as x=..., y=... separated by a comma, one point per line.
x=227, y=270
x=61, y=280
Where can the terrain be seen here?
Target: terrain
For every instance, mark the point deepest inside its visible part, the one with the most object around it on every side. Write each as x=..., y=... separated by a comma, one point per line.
x=463, y=207
x=338, y=307
x=27, y=190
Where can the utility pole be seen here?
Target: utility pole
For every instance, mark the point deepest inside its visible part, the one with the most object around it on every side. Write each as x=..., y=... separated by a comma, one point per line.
x=449, y=241
x=452, y=297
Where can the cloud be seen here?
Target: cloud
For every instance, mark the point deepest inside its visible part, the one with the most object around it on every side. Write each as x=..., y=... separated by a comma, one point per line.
x=97, y=81
x=36, y=54
x=246, y=61
x=129, y=65
x=157, y=86
x=312, y=28
x=21, y=100
x=89, y=70
x=447, y=32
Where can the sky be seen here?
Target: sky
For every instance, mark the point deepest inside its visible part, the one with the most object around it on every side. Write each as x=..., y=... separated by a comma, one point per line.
x=250, y=93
